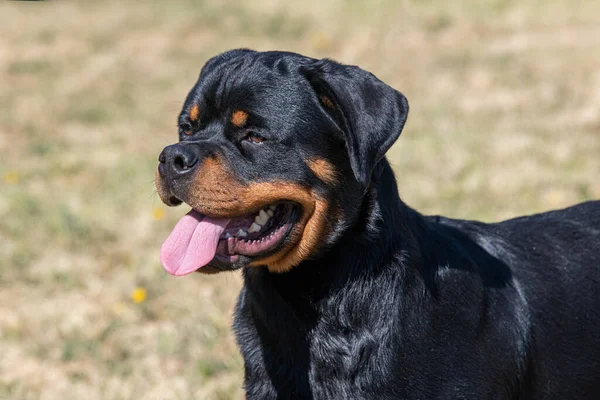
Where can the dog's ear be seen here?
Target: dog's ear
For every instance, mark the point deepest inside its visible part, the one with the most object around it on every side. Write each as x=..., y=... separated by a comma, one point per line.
x=370, y=113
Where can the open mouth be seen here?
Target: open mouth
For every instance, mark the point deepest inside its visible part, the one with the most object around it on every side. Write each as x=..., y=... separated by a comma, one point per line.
x=257, y=234
x=198, y=240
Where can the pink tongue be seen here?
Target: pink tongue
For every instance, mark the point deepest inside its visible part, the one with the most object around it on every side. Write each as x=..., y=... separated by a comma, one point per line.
x=192, y=244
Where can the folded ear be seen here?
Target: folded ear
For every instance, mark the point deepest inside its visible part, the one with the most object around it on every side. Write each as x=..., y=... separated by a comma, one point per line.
x=370, y=113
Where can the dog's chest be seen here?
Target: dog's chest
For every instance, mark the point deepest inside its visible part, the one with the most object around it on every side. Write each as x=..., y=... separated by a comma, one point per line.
x=349, y=362
x=344, y=354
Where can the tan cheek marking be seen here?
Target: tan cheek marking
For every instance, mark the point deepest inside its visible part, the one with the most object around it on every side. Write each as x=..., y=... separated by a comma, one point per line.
x=216, y=192
x=194, y=113
x=323, y=170
x=239, y=118
x=327, y=102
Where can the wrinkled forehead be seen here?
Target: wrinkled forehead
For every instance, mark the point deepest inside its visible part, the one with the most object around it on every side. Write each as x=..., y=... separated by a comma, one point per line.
x=266, y=88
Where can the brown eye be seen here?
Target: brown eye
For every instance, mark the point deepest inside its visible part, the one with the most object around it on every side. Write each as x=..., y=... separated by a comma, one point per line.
x=254, y=138
x=185, y=128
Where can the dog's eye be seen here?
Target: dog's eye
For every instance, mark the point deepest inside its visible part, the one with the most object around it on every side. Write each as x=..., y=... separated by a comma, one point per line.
x=254, y=138
x=185, y=127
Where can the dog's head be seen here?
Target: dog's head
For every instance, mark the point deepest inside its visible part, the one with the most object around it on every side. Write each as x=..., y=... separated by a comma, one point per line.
x=275, y=153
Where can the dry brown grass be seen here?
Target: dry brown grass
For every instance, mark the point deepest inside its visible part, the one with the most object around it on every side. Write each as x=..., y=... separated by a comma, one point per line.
x=505, y=100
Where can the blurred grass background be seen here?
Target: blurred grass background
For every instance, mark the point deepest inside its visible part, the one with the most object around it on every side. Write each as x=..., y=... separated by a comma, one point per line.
x=505, y=120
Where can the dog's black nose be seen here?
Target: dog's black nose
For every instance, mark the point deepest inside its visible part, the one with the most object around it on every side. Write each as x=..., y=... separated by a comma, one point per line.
x=177, y=160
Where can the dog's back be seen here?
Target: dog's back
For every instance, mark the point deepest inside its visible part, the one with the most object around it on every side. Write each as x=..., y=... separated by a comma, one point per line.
x=554, y=262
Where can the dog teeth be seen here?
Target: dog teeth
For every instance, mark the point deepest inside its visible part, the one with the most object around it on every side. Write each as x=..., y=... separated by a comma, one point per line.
x=270, y=212
x=272, y=207
x=227, y=235
x=261, y=218
x=254, y=227
x=263, y=215
x=241, y=233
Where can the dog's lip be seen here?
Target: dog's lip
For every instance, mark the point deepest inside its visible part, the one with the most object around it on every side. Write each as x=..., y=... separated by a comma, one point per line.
x=232, y=250
x=224, y=262
x=250, y=212
x=174, y=201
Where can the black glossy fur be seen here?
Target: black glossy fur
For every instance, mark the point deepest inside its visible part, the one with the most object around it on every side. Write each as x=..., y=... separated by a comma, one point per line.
x=397, y=305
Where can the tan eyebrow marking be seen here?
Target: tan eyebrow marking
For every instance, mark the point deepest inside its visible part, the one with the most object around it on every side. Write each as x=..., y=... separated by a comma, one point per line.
x=239, y=118
x=323, y=170
x=194, y=112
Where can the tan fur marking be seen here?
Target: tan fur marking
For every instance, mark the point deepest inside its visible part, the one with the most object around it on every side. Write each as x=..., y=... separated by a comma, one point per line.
x=194, y=113
x=239, y=118
x=217, y=193
x=323, y=170
x=327, y=102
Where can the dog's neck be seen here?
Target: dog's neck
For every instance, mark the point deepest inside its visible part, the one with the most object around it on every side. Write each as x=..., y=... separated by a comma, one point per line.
x=385, y=229
x=378, y=277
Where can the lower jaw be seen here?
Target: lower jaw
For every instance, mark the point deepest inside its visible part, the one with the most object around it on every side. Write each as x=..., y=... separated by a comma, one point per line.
x=223, y=262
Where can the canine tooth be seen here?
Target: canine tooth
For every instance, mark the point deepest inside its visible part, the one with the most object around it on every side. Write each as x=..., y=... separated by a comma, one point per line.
x=241, y=233
x=270, y=213
x=254, y=227
x=227, y=235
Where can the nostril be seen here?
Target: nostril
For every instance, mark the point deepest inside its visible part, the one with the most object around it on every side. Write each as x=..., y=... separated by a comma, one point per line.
x=178, y=159
x=179, y=162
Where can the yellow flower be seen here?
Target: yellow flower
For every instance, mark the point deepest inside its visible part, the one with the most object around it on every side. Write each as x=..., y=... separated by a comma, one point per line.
x=11, y=178
x=138, y=295
x=158, y=213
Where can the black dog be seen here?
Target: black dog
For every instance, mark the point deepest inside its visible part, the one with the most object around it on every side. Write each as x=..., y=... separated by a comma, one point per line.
x=349, y=293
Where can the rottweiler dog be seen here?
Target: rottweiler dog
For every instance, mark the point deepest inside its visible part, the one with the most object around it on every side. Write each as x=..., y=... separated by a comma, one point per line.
x=348, y=292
